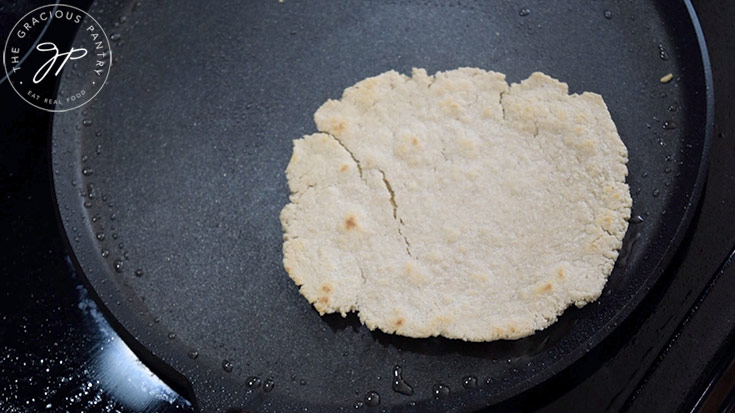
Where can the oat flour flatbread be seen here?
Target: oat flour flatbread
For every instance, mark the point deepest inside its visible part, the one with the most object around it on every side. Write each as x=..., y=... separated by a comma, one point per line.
x=456, y=205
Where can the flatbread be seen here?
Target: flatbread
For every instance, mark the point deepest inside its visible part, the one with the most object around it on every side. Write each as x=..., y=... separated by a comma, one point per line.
x=456, y=205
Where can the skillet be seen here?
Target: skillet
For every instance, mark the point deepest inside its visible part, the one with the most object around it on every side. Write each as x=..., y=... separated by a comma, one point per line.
x=185, y=150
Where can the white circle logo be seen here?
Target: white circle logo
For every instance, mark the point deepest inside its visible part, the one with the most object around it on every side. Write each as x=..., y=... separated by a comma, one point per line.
x=37, y=52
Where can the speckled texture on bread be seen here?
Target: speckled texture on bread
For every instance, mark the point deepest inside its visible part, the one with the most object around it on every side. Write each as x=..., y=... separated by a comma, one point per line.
x=455, y=204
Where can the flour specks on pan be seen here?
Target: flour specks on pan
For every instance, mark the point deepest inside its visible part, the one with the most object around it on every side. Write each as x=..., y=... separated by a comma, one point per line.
x=455, y=204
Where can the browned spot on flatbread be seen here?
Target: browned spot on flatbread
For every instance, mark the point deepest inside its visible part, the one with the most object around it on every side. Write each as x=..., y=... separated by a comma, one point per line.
x=338, y=128
x=326, y=288
x=398, y=322
x=560, y=273
x=324, y=299
x=350, y=222
x=344, y=168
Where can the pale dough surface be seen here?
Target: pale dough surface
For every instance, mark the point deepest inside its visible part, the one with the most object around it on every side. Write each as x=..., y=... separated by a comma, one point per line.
x=455, y=204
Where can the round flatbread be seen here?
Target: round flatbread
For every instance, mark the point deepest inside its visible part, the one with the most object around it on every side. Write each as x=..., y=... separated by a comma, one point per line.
x=455, y=204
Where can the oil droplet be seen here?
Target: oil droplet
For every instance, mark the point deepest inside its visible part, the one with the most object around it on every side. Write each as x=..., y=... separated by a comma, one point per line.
x=302, y=382
x=673, y=107
x=372, y=398
x=607, y=14
x=524, y=12
x=113, y=216
x=87, y=122
x=400, y=385
x=118, y=265
x=115, y=37
x=139, y=272
x=157, y=320
x=98, y=134
x=98, y=149
x=655, y=192
x=469, y=382
x=669, y=125
x=358, y=405
x=636, y=219
x=441, y=390
x=84, y=158
x=88, y=204
x=193, y=354
x=227, y=365
x=253, y=382
x=105, y=253
x=171, y=336
x=268, y=385
x=87, y=171
x=667, y=170
x=662, y=52
x=96, y=218
x=100, y=236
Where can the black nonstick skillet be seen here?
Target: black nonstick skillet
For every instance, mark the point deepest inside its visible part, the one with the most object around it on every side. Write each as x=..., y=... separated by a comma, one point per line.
x=184, y=151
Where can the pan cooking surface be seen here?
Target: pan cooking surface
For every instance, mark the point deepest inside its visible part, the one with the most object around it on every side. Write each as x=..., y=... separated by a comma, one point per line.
x=171, y=181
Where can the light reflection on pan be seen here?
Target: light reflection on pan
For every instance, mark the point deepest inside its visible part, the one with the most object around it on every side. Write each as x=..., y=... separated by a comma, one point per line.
x=114, y=369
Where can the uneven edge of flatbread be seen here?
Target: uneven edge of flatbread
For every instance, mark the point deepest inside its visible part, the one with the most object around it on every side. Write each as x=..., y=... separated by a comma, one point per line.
x=341, y=293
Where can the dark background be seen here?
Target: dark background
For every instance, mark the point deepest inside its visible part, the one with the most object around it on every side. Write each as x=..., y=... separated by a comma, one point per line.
x=58, y=353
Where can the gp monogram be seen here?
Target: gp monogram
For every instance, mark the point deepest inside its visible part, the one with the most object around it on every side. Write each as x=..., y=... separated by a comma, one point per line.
x=35, y=56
